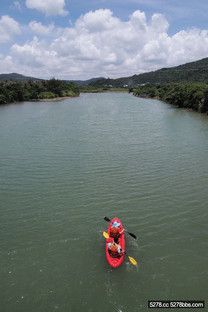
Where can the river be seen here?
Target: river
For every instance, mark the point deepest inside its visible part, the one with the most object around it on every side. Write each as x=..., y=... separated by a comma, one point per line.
x=64, y=166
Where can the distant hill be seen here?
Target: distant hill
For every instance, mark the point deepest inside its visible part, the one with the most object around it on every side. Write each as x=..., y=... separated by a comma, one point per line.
x=17, y=77
x=84, y=83
x=190, y=72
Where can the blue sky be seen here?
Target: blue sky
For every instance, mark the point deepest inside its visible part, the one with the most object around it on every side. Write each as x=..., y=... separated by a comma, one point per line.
x=81, y=39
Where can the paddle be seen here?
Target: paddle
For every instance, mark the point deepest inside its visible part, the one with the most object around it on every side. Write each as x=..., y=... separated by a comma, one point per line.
x=108, y=220
x=132, y=260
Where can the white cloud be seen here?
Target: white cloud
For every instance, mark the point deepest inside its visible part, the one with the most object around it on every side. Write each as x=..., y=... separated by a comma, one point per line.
x=40, y=29
x=100, y=44
x=98, y=21
x=34, y=53
x=159, y=24
x=8, y=28
x=188, y=45
x=49, y=7
x=6, y=64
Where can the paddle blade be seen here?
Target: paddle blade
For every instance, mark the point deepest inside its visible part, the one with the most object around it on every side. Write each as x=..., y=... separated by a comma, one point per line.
x=134, y=236
x=133, y=261
x=105, y=235
x=106, y=219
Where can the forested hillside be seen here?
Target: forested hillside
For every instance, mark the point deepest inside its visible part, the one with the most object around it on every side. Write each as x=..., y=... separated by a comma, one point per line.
x=190, y=72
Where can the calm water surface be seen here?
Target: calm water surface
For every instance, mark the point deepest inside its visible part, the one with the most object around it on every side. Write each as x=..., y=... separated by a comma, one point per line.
x=64, y=166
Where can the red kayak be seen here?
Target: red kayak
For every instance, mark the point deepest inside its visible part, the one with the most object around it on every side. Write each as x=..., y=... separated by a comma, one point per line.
x=115, y=262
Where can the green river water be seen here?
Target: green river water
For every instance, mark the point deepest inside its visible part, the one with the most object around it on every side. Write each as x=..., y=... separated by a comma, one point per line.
x=64, y=166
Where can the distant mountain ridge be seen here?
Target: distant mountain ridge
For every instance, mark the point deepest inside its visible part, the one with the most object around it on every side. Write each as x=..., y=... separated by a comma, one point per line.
x=190, y=72
x=17, y=77
x=83, y=83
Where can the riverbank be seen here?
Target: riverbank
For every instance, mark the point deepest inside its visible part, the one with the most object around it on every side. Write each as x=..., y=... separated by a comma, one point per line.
x=102, y=90
x=191, y=96
x=56, y=99
x=117, y=91
x=45, y=90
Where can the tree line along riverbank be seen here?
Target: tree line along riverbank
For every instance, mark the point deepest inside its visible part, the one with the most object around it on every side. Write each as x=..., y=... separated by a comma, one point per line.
x=193, y=96
x=11, y=91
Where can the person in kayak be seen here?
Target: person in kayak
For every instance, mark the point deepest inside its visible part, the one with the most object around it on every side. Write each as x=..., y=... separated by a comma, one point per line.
x=114, y=249
x=115, y=231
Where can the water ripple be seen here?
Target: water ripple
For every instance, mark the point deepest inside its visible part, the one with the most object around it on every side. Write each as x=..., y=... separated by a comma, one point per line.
x=64, y=166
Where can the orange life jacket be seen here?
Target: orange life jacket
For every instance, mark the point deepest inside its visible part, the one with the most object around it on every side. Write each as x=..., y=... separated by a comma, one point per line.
x=114, y=231
x=114, y=250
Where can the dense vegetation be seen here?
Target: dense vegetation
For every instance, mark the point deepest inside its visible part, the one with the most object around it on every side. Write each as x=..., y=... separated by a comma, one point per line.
x=196, y=72
x=190, y=72
x=11, y=91
x=192, y=96
x=184, y=86
x=90, y=89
